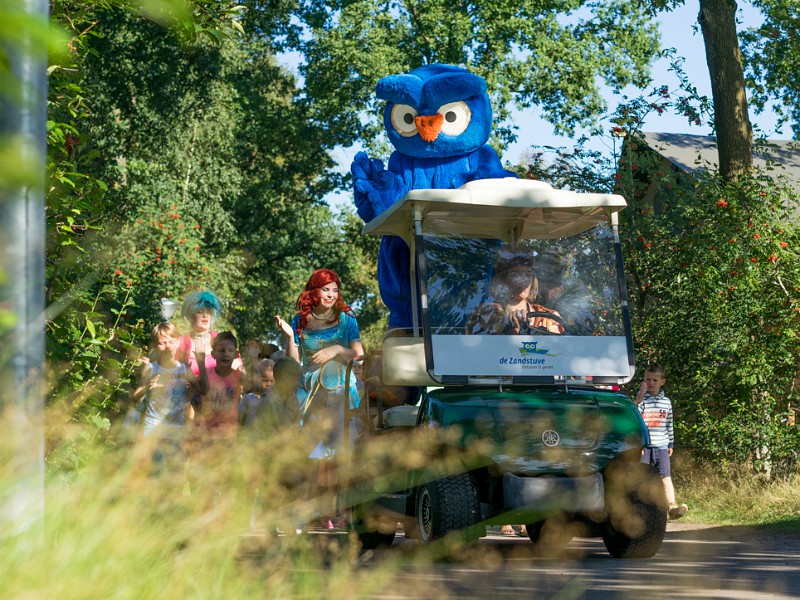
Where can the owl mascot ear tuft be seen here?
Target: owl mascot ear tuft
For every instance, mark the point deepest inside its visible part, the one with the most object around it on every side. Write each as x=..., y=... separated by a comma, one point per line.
x=400, y=89
x=447, y=157
x=449, y=87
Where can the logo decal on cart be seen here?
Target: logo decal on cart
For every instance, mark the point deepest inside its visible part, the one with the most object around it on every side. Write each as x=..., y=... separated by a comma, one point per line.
x=551, y=438
x=532, y=348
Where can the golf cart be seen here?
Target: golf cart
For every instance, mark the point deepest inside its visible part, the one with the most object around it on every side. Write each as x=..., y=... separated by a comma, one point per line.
x=516, y=424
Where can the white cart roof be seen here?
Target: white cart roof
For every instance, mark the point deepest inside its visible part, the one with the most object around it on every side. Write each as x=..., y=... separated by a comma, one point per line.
x=504, y=209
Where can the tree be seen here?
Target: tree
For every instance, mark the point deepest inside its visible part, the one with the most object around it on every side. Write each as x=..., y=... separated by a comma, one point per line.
x=92, y=338
x=217, y=175
x=714, y=286
x=532, y=53
x=770, y=54
x=178, y=161
x=212, y=177
x=717, y=20
x=715, y=298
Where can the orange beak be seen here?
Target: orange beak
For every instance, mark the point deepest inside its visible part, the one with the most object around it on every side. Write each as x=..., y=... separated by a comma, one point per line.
x=429, y=126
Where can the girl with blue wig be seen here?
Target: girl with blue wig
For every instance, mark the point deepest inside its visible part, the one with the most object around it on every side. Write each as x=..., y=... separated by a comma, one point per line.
x=200, y=309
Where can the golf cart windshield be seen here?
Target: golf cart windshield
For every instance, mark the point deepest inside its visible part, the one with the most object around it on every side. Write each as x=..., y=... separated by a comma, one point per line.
x=516, y=280
x=471, y=282
x=567, y=289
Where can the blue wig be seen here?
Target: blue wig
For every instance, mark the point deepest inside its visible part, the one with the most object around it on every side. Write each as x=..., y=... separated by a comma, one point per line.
x=197, y=301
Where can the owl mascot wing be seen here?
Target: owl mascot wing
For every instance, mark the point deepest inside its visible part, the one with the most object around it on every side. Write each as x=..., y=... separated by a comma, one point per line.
x=438, y=118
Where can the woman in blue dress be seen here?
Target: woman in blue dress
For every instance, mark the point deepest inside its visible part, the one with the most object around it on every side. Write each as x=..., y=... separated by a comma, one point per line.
x=323, y=336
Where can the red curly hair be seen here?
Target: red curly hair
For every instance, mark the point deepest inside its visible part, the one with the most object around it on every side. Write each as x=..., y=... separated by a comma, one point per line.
x=309, y=299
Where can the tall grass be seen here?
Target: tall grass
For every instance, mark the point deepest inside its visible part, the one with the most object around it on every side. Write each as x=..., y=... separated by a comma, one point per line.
x=740, y=498
x=114, y=528
x=117, y=526
x=207, y=527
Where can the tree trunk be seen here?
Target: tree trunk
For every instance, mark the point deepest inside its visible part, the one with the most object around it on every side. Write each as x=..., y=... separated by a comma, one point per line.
x=717, y=20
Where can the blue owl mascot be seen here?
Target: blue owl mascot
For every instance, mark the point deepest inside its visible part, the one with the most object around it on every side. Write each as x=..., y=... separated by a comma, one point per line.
x=438, y=118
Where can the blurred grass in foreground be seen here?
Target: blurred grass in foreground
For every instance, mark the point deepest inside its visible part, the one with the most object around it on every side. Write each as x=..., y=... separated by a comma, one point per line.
x=114, y=529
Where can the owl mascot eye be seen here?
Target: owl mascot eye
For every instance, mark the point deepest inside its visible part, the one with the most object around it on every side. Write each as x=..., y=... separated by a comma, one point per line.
x=438, y=118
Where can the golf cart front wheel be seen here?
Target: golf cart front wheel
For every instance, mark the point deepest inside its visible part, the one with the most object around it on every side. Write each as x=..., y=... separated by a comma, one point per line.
x=637, y=511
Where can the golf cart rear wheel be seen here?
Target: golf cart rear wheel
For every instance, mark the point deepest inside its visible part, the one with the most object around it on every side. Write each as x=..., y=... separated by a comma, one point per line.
x=372, y=532
x=446, y=505
x=374, y=528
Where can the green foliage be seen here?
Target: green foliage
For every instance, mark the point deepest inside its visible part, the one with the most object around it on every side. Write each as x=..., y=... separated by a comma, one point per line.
x=95, y=312
x=714, y=283
x=770, y=54
x=160, y=254
x=93, y=344
x=219, y=139
x=180, y=158
x=546, y=54
x=713, y=280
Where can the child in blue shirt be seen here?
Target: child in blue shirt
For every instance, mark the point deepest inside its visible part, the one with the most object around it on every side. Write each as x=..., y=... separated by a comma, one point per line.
x=162, y=393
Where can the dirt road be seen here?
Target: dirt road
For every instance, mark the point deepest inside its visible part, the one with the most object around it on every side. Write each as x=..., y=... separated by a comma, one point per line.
x=695, y=561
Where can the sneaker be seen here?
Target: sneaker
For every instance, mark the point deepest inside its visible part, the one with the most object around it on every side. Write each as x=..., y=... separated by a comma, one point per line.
x=676, y=511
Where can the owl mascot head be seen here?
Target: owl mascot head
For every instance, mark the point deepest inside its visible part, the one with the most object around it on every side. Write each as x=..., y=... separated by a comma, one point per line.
x=438, y=118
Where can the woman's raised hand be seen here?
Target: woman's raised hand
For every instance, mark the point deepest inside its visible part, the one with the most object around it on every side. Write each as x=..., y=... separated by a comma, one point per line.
x=200, y=357
x=202, y=343
x=285, y=327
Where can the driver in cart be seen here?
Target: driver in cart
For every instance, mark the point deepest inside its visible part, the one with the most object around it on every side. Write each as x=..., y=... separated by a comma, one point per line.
x=514, y=290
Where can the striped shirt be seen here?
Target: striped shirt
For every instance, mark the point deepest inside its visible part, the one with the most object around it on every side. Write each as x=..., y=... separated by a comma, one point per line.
x=657, y=414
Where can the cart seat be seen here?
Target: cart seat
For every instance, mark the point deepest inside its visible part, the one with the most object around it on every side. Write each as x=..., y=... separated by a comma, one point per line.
x=404, y=362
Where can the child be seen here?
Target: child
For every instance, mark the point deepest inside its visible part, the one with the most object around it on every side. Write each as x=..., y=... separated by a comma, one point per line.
x=281, y=409
x=163, y=392
x=656, y=411
x=218, y=415
x=250, y=404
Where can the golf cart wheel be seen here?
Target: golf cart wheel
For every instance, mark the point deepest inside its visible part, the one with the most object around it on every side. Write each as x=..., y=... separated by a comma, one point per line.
x=637, y=511
x=550, y=533
x=372, y=530
x=446, y=505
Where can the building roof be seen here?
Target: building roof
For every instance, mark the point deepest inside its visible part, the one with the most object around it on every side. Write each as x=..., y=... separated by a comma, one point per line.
x=695, y=153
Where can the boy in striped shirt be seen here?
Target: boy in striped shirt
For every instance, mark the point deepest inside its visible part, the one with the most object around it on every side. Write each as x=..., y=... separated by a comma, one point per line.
x=656, y=411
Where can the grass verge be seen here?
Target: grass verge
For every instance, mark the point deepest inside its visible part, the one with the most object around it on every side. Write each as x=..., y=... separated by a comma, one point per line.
x=740, y=498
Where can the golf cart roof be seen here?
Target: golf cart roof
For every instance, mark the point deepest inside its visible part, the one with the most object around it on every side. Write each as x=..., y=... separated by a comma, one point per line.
x=503, y=209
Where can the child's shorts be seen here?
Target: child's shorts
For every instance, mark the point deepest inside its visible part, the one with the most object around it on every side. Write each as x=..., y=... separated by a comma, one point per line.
x=659, y=458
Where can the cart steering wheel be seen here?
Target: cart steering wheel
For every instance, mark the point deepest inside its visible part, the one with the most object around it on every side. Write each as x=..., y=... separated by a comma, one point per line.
x=547, y=315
